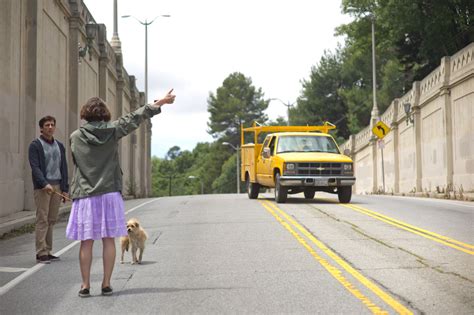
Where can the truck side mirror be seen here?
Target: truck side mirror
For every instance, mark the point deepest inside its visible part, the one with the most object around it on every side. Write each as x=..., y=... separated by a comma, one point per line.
x=266, y=152
x=347, y=152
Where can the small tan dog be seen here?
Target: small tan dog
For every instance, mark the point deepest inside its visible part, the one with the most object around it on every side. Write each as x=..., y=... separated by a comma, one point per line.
x=136, y=239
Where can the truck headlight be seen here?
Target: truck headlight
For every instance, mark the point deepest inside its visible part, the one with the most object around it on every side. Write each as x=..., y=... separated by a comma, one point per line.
x=347, y=169
x=290, y=168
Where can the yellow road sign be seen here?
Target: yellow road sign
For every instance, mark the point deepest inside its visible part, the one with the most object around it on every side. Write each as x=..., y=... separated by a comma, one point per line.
x=381, y=130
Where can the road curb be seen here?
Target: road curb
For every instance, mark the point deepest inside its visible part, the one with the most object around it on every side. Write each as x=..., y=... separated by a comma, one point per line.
x=19, y=219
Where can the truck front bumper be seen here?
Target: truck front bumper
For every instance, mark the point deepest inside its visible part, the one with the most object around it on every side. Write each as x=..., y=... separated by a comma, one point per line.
x=317, y=181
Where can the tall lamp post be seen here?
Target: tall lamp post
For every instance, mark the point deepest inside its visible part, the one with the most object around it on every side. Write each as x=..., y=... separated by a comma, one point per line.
x=375, y=110
x=288, y=105
x=197, y=177
x=146, y=23
x=237, y=149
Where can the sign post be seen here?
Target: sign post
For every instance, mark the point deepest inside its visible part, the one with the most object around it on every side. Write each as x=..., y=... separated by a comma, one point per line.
x=380, y=130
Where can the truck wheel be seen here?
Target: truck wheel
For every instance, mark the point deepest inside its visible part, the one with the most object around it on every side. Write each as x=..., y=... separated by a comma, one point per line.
x=281, y=192
x=309, y=193
x=344, y=194
x=252, y=189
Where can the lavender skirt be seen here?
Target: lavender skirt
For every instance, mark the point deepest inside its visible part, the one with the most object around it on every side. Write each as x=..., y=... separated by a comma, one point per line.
x=97, y=217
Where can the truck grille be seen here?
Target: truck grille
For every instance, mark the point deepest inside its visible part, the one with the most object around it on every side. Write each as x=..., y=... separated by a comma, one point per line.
x=318, y=169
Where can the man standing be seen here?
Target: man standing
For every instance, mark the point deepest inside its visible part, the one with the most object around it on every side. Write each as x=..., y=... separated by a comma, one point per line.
x=47, y=158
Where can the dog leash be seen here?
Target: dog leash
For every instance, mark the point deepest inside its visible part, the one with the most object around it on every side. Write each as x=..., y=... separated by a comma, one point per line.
x=67, y=198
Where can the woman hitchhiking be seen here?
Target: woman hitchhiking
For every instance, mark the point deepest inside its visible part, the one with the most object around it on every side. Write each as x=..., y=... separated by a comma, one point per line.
x=98, y=210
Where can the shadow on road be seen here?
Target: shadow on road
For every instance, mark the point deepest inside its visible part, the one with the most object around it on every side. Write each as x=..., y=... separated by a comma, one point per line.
x=169, y=290
x=316, y=200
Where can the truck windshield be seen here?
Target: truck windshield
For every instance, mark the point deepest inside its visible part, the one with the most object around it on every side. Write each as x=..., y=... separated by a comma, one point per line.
x=306, y=144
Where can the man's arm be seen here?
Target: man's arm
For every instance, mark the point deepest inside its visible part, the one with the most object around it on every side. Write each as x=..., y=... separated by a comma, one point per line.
x=64, y=171
x=34, y=159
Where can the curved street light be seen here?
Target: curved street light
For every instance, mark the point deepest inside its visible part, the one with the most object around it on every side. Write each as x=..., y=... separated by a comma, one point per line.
x=288, y=105
x=200, y=181
x=146, y=23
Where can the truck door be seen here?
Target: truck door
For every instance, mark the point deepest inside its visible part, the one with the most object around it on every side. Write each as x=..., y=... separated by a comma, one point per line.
x=264, y=169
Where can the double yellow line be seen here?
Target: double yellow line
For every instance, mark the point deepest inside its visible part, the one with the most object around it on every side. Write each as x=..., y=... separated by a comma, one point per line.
x=464, y=247
x=292, y=226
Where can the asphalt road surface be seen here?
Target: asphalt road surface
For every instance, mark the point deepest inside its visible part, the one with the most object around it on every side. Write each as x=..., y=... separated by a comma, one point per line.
x=221, y=254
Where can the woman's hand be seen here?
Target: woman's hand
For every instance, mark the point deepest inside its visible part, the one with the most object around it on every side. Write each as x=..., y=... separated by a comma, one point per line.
x=167, y=99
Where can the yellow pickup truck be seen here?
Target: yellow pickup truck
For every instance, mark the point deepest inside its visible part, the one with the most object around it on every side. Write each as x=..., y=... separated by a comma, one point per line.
x=295, y=159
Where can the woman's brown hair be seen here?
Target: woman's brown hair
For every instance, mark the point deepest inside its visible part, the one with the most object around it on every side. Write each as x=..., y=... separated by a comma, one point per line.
x=95, y=110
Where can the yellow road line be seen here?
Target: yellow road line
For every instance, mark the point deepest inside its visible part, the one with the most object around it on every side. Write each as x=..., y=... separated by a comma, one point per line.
x=464, y=247
x=333, y=270
x=442, y=237
x=336, y=273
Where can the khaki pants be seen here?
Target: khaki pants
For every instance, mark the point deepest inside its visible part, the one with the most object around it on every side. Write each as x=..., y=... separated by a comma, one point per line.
x=47, y=209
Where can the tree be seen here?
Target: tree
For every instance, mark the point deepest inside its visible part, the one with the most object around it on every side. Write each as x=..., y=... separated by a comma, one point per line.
x=173, y=152
x=236, y=102
x=280, y=121
x=320, y=100
x=225, y=183
x=417, y=32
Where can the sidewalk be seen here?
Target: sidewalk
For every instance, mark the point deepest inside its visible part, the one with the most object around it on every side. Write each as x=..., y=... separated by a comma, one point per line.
x=19, y=219
x=469, y=196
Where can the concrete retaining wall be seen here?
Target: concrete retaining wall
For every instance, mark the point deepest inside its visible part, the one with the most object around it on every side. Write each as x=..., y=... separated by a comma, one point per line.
x=435, y=151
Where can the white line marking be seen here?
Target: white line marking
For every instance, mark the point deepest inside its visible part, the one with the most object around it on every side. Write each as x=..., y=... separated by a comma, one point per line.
x=10, y=285
x=10, y=269
x=7, y=287
x=141, y=205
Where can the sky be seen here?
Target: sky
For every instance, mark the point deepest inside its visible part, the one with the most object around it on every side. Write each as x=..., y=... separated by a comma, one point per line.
x=274, y=42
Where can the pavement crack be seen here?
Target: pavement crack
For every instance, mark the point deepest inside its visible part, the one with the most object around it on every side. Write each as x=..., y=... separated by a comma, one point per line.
x=438, y=269
x=423, y=261
x=361, y=232
x=375, y=281
x=157, y=237
x=354, y=227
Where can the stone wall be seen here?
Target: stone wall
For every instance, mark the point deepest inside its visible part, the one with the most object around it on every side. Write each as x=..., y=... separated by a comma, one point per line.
x=42, y=74
x=435, y=152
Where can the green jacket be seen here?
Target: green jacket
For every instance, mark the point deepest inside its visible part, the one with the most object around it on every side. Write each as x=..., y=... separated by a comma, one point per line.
x=94, y=148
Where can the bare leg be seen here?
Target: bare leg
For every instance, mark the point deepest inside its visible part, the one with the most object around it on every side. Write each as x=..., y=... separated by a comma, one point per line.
x=85, y=262
x=108, y=256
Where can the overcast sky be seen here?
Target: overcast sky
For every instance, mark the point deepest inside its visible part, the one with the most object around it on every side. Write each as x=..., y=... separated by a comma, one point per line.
x=274, y=42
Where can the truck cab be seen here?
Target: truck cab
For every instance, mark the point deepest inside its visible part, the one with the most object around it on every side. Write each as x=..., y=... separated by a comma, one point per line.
x=295, y=159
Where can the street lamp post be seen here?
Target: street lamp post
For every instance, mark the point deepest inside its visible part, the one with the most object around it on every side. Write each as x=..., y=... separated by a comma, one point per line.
x=146, y=23
x=200, y=181
x=288, y=105
x=375, y=110
x=237, y=163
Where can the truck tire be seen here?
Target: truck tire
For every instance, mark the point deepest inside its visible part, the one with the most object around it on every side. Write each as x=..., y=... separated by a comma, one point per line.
x=252, y=188
x=344, y=194
x=281, y=192
x=309, y=193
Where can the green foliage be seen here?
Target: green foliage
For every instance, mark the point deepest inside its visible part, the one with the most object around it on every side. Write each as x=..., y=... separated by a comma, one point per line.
x=280, y=121
x=173, y=152
x=235, y=103
x=226, y=182
x=321, y=100
x=170, y=176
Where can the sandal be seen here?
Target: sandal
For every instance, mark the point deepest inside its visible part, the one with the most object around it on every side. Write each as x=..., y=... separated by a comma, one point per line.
x=84, y=292
x=107, y=291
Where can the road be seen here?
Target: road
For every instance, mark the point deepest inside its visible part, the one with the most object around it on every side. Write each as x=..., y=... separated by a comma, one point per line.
x=220, y=254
